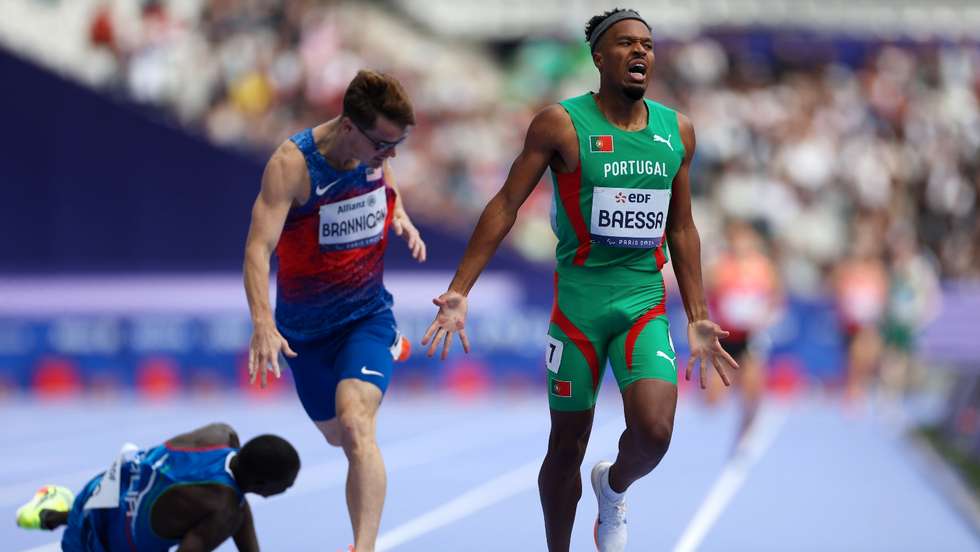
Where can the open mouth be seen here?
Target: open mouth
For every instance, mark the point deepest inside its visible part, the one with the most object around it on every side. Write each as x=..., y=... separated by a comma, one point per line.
x=637, y=71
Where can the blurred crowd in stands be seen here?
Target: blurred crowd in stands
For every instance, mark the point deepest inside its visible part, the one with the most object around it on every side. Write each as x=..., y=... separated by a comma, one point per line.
x=860, y=176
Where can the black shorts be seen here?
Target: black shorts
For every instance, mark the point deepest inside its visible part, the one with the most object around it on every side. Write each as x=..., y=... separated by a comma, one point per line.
x=735, y=347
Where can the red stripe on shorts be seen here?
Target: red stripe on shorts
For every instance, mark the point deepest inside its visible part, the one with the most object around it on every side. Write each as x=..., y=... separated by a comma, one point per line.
x=658, y=254
x=577, y=337
x=570, y=190
x=634, y=333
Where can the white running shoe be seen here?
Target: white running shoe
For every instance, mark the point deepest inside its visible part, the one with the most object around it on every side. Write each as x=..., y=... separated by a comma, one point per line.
x=610, y=523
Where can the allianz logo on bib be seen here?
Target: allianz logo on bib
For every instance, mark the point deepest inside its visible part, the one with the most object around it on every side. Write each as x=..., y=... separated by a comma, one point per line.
x=346, y=208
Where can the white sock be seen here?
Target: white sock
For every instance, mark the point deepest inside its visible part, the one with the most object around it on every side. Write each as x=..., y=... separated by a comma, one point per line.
x=607, y=490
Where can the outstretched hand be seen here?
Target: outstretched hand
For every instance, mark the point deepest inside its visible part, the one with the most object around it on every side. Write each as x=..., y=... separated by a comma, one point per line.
x=703, y=337
x=402, y=226
x=263, y=354
x=450, y=318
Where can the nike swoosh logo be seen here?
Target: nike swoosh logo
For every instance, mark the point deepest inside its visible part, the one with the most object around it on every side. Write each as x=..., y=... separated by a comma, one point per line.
x=671, y=360
x=320, y=191
x=366, y=372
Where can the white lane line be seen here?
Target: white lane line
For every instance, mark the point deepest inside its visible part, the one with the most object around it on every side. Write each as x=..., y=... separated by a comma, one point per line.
x=313, y=478
x=474, y=500
x=53, y=547
x=413, y=451
x=732, y=477
x=513, y=482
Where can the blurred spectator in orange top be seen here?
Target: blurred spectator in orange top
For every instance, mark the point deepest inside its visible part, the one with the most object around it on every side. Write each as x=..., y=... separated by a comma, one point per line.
x=860, y=290
x=746, y=295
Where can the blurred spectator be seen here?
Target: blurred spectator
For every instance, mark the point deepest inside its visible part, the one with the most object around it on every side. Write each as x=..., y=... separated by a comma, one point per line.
x=812, y=136
x=791, y=136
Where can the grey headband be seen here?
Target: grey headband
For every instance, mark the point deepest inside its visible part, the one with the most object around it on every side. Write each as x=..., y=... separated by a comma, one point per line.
x=610, y=21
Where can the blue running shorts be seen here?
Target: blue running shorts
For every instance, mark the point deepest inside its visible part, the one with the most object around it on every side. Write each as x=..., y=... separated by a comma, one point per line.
x=86, y=530
x=361, y=351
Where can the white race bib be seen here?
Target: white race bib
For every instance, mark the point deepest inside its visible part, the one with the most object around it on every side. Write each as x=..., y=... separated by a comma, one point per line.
x=629, y=217
x=106, y=495
x=552, y=355
x=353, y=222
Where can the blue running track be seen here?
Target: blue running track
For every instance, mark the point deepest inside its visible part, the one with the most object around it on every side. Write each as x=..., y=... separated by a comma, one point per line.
x=462, y=475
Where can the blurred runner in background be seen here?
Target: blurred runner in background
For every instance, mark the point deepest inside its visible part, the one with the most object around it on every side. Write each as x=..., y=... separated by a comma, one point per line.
x=746, y=295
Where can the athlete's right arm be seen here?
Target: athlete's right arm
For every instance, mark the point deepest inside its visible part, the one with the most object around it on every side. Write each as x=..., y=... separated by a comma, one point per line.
x=540, y=147
x=282, y=183
x=245, y=537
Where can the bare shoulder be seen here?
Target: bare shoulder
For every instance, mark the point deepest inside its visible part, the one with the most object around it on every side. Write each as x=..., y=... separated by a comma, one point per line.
x=288, y=159
x=216, y=434
x=553, y=114
x=551, y=130
x=684, y=123
x=552, y=120
x=285, y=172
x=686, y=128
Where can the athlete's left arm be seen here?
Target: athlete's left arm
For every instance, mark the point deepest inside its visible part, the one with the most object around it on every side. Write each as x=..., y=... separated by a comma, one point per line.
x=400, y=221
x=226, y=519
x=245, y=537
x=685, y=248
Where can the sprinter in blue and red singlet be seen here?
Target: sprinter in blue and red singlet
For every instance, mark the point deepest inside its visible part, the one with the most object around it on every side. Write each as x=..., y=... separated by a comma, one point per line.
x=327, y=201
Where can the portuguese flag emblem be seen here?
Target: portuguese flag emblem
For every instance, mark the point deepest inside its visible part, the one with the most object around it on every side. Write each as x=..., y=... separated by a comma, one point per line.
x=601, y=143
x=561, y=388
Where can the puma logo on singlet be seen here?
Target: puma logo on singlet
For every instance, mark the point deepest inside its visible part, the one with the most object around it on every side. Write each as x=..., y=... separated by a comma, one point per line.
x=662, y=140
x=320, y=191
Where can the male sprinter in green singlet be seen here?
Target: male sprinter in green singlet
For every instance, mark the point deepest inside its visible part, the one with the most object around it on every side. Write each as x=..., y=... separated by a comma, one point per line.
x=620, y=168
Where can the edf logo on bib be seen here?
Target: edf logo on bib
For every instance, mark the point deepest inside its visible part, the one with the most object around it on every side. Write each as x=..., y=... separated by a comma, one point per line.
x=622, y=197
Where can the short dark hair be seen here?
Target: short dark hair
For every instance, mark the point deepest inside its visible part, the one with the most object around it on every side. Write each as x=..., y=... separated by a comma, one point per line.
x=596, y=20
x=269, y=458
x=371, y=94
